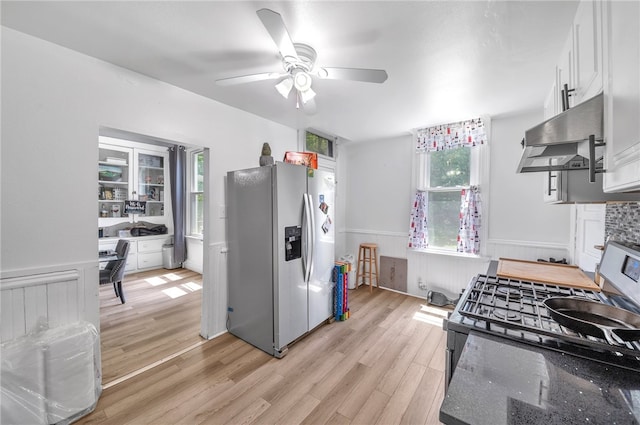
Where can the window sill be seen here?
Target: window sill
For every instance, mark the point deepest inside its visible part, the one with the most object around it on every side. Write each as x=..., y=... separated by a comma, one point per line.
x=194, y=237
x=449, y=253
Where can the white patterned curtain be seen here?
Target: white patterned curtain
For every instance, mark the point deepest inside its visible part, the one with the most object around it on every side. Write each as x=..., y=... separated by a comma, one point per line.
x=467, y=133
x=470, y=220
x=418, y=232
x=451, y=136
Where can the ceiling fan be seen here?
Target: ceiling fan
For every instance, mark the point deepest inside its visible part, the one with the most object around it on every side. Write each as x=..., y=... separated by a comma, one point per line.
x=298, y=61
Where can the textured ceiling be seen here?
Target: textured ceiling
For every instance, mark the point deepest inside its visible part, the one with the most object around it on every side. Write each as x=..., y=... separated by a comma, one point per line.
x=446, y=61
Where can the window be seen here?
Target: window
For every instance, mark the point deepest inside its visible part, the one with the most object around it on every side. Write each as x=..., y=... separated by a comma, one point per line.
x=196, y=201
x=319, y=144
x=447, y=209
x=448, y=172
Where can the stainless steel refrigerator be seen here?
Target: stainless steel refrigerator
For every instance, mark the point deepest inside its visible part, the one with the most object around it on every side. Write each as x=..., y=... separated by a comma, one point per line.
x=281, y=245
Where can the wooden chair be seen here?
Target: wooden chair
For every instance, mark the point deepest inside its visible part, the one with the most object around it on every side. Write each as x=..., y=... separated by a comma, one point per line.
x=367, y=255
x=114, y=270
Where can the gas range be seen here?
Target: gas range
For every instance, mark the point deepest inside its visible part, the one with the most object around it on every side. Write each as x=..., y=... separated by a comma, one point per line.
x=514, y=309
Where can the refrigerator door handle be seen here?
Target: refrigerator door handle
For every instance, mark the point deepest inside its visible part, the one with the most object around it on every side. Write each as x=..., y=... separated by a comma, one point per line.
x=312, y=232
x=306, y=226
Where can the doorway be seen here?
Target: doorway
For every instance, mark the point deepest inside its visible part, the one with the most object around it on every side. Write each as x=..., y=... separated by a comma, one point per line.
x=164, y=313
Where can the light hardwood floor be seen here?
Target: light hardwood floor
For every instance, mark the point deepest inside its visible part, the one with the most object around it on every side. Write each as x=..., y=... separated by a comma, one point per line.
x=151, y=325
x=384, y=365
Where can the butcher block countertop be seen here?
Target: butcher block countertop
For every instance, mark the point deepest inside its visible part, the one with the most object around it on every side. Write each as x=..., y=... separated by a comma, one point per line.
x=549, y=273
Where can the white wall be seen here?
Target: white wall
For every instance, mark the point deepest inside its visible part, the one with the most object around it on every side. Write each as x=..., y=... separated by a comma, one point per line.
x=378, y=200
x=374, y=184
x=53, y=102
x=517, y=211
x=378, y=175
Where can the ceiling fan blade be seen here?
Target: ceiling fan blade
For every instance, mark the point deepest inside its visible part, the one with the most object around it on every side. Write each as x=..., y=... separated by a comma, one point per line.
x=248, y=78
x=355, y=74
x=274, y=24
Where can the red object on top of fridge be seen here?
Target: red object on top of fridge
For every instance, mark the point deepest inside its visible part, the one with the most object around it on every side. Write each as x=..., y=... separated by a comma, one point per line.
x=310, y=159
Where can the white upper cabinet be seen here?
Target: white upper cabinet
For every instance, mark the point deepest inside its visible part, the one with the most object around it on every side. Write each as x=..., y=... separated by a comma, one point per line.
x=602, y=53
x=579, y=67
x=622, y=95
x=587, y=45
x=566, y=75
x=115, y=174
x=130, y=171
x=551, y=107
x=552, y=180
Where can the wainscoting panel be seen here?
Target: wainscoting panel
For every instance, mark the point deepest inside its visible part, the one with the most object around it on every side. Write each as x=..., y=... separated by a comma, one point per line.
x=527, y=250
x=214, y=292
x=442, y=273
x=13, y=320
x=195, y=255
x=446, y=273
x=55, y=298
x=35, y=305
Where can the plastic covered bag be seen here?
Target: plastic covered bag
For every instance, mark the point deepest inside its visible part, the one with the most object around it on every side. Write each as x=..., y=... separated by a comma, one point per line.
x=50, y=376
x=22, y=383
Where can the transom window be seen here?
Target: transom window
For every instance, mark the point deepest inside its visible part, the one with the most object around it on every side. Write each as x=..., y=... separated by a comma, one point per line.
x=319, y=144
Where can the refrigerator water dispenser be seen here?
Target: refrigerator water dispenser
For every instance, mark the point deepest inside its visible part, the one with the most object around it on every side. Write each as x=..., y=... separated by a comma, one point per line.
x=292, y=242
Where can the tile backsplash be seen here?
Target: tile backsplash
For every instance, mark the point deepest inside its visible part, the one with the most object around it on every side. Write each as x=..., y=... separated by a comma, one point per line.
x=622, y=221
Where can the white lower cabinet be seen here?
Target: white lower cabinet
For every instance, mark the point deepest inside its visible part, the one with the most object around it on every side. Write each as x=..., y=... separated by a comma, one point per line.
x=151, y=245
x=150, y=253
x=145, y=253
x=149, y=260
x=132, y=262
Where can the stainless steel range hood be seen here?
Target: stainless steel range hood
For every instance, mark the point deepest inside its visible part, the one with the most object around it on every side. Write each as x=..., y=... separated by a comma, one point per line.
x=571, y=140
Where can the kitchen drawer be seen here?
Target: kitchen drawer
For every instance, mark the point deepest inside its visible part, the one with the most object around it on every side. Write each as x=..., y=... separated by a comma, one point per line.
x=151, y=245
x=132, y=262
x=110, y=244
x=150, y=260
x=107, y=245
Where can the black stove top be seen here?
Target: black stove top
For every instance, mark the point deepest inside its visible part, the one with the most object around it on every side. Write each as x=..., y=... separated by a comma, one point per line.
x=514, y=309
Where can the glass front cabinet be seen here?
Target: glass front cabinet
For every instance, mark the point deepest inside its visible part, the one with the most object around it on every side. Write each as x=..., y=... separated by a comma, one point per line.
x=131, y=172
x=150, y=182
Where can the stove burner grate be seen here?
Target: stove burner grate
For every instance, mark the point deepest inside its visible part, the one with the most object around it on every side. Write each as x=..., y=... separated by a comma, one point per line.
x=509, y=291
x=499, y=304
x=510, y=315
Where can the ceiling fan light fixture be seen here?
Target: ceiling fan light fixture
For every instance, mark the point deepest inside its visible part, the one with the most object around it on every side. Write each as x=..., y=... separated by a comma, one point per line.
x=284, y=87
x=298, y=62
x=307, y=95
x=302, y=81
